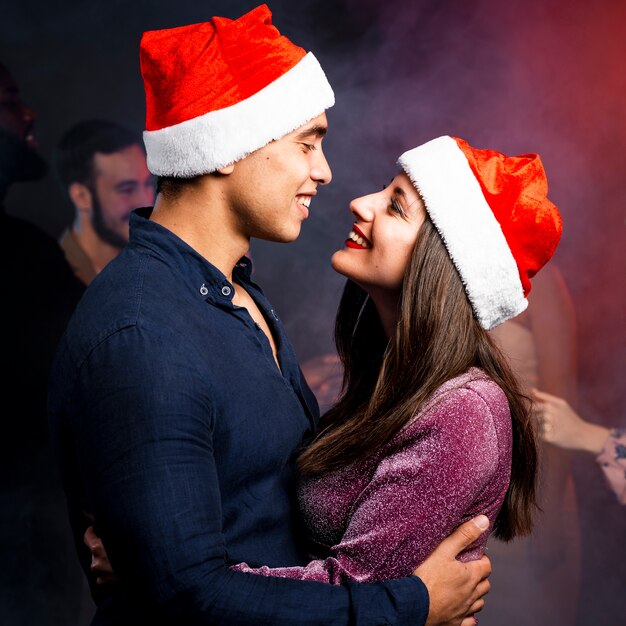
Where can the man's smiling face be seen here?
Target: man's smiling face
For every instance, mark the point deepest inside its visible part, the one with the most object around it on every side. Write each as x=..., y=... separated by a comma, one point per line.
x=273, y=187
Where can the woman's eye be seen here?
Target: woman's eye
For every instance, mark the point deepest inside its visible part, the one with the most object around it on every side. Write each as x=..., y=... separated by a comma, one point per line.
x=395, y=206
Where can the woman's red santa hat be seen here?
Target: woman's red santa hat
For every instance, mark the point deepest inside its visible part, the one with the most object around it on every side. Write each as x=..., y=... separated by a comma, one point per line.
x=494, y=216
x=219, y=90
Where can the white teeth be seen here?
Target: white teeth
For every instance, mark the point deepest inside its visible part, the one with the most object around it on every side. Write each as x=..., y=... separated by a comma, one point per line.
x=358, y=239
x=305, y=200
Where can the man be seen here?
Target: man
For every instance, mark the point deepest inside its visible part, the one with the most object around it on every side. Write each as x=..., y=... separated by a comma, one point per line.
x=102, y=168
x=40, y=580
x=177, y=404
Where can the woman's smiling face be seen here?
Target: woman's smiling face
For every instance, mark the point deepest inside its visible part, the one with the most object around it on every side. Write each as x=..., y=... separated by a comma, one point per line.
x=382, y=239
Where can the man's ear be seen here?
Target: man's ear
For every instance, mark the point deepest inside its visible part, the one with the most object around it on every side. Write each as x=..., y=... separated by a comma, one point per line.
x=225, y=171
x=80, y=195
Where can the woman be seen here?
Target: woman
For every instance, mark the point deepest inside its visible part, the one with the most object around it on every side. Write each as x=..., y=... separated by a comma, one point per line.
x=430, y=425
x=430, y=429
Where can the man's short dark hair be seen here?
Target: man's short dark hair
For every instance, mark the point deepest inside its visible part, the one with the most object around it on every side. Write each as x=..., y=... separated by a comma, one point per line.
x=73, y=159
x=171, y=187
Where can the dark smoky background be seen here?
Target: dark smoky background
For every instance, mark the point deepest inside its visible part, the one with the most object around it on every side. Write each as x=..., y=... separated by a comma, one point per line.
x=545, y=76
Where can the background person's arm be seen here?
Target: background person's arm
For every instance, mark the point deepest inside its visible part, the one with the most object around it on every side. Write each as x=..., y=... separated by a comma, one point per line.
x=561, y=426
x=554, y=546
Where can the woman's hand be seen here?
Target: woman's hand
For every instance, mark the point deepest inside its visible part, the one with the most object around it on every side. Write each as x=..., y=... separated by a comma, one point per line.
x=100, y=564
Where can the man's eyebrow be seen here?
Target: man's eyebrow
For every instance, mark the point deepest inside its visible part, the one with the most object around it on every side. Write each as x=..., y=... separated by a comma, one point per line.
x=317, y=130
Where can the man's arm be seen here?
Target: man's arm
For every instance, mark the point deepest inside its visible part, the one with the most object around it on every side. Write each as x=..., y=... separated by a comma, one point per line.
x=456, y=590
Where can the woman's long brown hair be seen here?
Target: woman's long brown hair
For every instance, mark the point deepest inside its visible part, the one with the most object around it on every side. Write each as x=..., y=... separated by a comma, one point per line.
x=386, y=382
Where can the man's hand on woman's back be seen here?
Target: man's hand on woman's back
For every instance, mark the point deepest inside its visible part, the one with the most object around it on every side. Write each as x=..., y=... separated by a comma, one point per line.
x=456, y=589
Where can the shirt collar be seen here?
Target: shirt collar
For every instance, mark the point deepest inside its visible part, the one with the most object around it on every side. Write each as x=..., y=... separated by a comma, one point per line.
x=203, y=277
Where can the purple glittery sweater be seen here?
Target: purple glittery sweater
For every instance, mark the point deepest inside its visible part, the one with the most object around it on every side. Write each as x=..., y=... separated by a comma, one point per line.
x=379, y=519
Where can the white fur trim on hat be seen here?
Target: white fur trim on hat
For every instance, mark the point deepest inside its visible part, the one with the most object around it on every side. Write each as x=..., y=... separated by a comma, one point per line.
x=476, y=244
x=217, y=139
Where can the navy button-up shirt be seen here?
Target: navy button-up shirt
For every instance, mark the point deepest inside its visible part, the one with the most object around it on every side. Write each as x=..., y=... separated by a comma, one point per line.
x=177, y=430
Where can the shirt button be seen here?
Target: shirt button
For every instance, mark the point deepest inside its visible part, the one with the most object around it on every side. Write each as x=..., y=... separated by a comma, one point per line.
x=226, y=290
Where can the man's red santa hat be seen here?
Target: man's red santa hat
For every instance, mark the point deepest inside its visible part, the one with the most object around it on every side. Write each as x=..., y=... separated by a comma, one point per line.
x=494, y=216
x=219, y=90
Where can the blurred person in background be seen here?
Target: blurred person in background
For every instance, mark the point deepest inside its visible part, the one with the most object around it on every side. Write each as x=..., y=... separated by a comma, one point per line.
x=101, y=165
x=538, y=578
x=40, y=579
